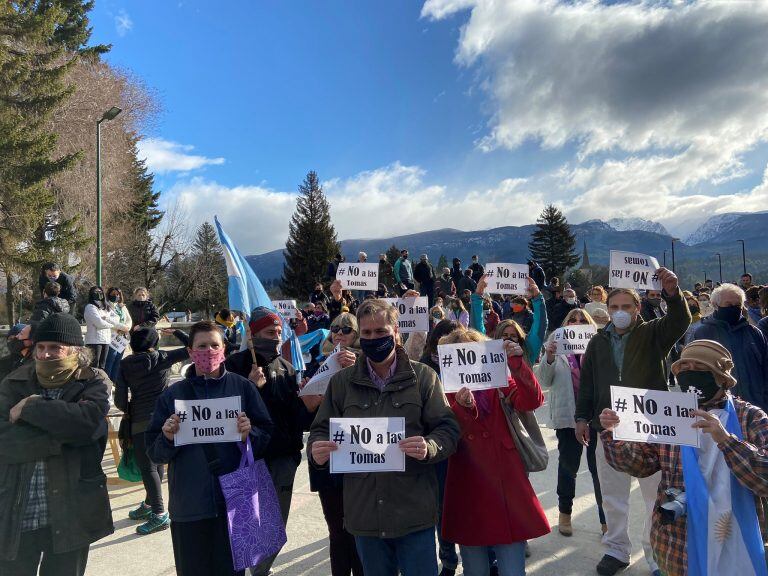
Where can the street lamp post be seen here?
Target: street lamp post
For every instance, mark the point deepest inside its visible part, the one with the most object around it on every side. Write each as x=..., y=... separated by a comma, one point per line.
x=743, y=255
x=21, y=303
x=110, y=114
x=720, y=265
x=673, y=252
x=665, y=258
x=705, y=276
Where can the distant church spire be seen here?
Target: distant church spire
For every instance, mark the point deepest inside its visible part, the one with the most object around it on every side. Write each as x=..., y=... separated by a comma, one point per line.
x=585, y=257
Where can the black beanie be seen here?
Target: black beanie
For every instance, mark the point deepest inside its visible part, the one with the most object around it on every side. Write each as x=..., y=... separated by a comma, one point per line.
x=61, y=328
x=142, y=339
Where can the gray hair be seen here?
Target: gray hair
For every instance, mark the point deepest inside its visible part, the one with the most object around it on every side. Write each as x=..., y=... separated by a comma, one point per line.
x=84, y=356
x=718, y=293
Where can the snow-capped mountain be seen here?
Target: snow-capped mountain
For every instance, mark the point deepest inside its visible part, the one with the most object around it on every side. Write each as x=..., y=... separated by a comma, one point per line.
x=625, y=224
x=713, y=227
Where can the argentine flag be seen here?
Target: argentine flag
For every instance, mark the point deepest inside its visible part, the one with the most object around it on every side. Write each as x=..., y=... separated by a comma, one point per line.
x=246, y=293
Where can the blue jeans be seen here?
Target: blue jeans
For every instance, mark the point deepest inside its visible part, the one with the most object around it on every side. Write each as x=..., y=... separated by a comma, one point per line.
x=113, y=363
x=449, y=558
x=510, y=558
x=413, y=554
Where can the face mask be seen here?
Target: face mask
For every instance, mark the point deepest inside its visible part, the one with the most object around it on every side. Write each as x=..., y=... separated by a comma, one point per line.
x=114, y=298
x=207, y=361
x=729, y=314
x=378, y=349
x=15, y=346
x=437, y=315
x=517, y=308
x=266, y=349
x=655, y=302
x=703, y=381
x=98, y=295
x=570, y=301
x=622, y=320
x=56, y=373
x=694, y=309
x=318, y=313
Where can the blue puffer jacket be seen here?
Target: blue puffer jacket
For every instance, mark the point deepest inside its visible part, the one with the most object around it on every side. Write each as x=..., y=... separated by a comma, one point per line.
x=194, y=491
x=750, y=356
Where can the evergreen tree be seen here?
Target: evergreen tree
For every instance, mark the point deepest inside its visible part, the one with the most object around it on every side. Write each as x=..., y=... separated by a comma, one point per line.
x=552, y=243
x=441, y=263
x=311, y=242
x=210, y=279
x=393, y=254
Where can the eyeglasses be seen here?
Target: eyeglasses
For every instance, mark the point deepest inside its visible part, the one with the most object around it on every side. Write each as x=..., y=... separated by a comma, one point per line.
x=346, y=330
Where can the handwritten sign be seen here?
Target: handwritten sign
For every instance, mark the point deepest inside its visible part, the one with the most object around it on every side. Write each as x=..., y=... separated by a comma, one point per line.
x=414, y=313
x=476, y=365
x=655, y=416
x=207, y=421
x=286, y=308
x=633, y=270
x=367, y=445
x=507, y=278
x=573, y=339
x=358, y=276
x=119, y=343
x=319, y=382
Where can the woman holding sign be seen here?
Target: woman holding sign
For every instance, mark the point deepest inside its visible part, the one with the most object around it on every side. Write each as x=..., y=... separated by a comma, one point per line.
x=489, y=501
x=196, y=504
x=562, y=373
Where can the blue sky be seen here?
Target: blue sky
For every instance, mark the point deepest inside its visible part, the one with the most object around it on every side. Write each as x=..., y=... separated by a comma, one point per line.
x=451, y=113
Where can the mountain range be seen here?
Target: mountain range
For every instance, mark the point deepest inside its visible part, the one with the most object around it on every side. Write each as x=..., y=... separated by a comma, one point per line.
x=694, y=256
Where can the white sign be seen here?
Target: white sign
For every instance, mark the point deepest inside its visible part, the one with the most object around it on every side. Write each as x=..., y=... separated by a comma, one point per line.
x=207, y=421
x=655, y=416
x=414, y=313
x=319, y=382
x=287, y=308
x=475, y=365
x=633, y=270
x=507, y=278
x=119, y=343
x=573, y=339
x=358, y=276
x=367, y=445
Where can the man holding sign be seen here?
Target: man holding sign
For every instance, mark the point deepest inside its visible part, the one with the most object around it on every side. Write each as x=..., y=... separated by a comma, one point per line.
x=627, y=352
x=709, y=512
x=391, y=514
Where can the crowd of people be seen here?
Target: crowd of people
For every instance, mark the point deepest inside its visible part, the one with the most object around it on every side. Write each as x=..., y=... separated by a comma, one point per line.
x=465, y=496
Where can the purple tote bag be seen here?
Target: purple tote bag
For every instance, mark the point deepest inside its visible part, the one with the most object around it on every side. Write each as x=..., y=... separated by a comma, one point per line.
x=256, y=529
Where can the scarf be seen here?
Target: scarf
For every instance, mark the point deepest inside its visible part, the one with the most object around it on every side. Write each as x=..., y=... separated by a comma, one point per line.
x=228, y=323
x=56, y=373
x=744, y=513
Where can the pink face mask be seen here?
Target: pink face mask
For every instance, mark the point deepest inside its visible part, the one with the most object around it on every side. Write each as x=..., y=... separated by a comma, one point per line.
x=207, y=361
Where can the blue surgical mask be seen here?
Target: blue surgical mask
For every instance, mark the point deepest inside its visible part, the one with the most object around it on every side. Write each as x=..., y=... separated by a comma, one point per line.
x=378, y=349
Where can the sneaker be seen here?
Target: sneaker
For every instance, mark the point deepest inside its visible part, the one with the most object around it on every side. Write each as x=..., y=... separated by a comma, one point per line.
x=140, y=513
x=155, y=523
x=609, y=565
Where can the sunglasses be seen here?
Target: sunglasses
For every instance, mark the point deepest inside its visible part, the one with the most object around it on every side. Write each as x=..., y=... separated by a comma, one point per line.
x=346, y=330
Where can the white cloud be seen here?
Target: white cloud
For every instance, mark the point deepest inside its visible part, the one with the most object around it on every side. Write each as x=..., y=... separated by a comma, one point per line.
x=123, y=23
x=380, y=203
x=164, y=156
x=658, y=99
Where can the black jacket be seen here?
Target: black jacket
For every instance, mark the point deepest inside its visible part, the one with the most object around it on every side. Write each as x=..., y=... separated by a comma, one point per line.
x=46, y=307
x=466, y=283
x=281, y=395
x=649, y=312
x=69, y=435
x=67, y=283
x=537, y=273
x=143, y=314
x=146, y=375
x=423, y=273
x=13, y=362
x=558, y=311
x=477, y=271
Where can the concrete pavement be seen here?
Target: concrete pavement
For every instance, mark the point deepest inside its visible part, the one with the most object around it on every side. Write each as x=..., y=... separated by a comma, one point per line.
x=306, y=554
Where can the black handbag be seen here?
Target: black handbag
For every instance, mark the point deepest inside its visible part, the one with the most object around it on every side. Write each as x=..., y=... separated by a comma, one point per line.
x=525, y=431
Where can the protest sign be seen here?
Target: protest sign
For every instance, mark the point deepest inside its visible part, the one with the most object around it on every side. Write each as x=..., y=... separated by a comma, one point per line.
x=206, y=421
x=633, y=270
x=358, y=276
x=367, y=445
x=573, y=339
x=476, y=365
x=286, y=308
x=507, y=278
x=655, y=416
x=119, y=343
x=319, y=382
x=414, y=313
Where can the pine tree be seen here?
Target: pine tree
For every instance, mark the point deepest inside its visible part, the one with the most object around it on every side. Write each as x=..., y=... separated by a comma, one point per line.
x=210, y=279
x=552, y=243
x=441, y=263
x=393, y=254
x=40, y=40
x=311, y=241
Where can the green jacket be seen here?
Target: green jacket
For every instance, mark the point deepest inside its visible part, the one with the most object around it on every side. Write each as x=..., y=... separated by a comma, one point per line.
x=647, y=346
x=391, y=504
x=70, y=435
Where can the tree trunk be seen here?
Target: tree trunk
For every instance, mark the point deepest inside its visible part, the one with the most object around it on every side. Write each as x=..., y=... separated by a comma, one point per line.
x=10, y=301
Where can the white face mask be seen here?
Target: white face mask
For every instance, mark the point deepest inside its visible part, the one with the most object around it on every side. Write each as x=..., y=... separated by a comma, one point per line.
x=571, y=300
x=621, y=319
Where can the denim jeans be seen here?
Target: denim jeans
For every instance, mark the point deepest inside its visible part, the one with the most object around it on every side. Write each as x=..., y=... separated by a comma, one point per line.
x=510, y=559
x=413, y=554
x=112, y=366
x=569, y=459
x=449, y=558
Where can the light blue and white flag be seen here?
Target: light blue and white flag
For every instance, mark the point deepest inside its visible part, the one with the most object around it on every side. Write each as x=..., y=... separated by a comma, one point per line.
x=246, y=292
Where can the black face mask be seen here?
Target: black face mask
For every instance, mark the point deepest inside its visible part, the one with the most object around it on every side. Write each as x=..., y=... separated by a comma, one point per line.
x=98, y=296
x=266, y=350
x=694, y=309
x=15, y=346
x=114, y=298
x=378, y=349
x=729, y=314
x=655, y=302
x=703, y=381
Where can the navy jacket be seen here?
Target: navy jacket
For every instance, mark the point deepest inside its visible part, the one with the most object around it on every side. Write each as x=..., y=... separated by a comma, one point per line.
x=193, y=488
x=750, y=356
x=67, y=283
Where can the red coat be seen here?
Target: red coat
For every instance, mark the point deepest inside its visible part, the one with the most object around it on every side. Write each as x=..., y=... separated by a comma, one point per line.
x=488, y=497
